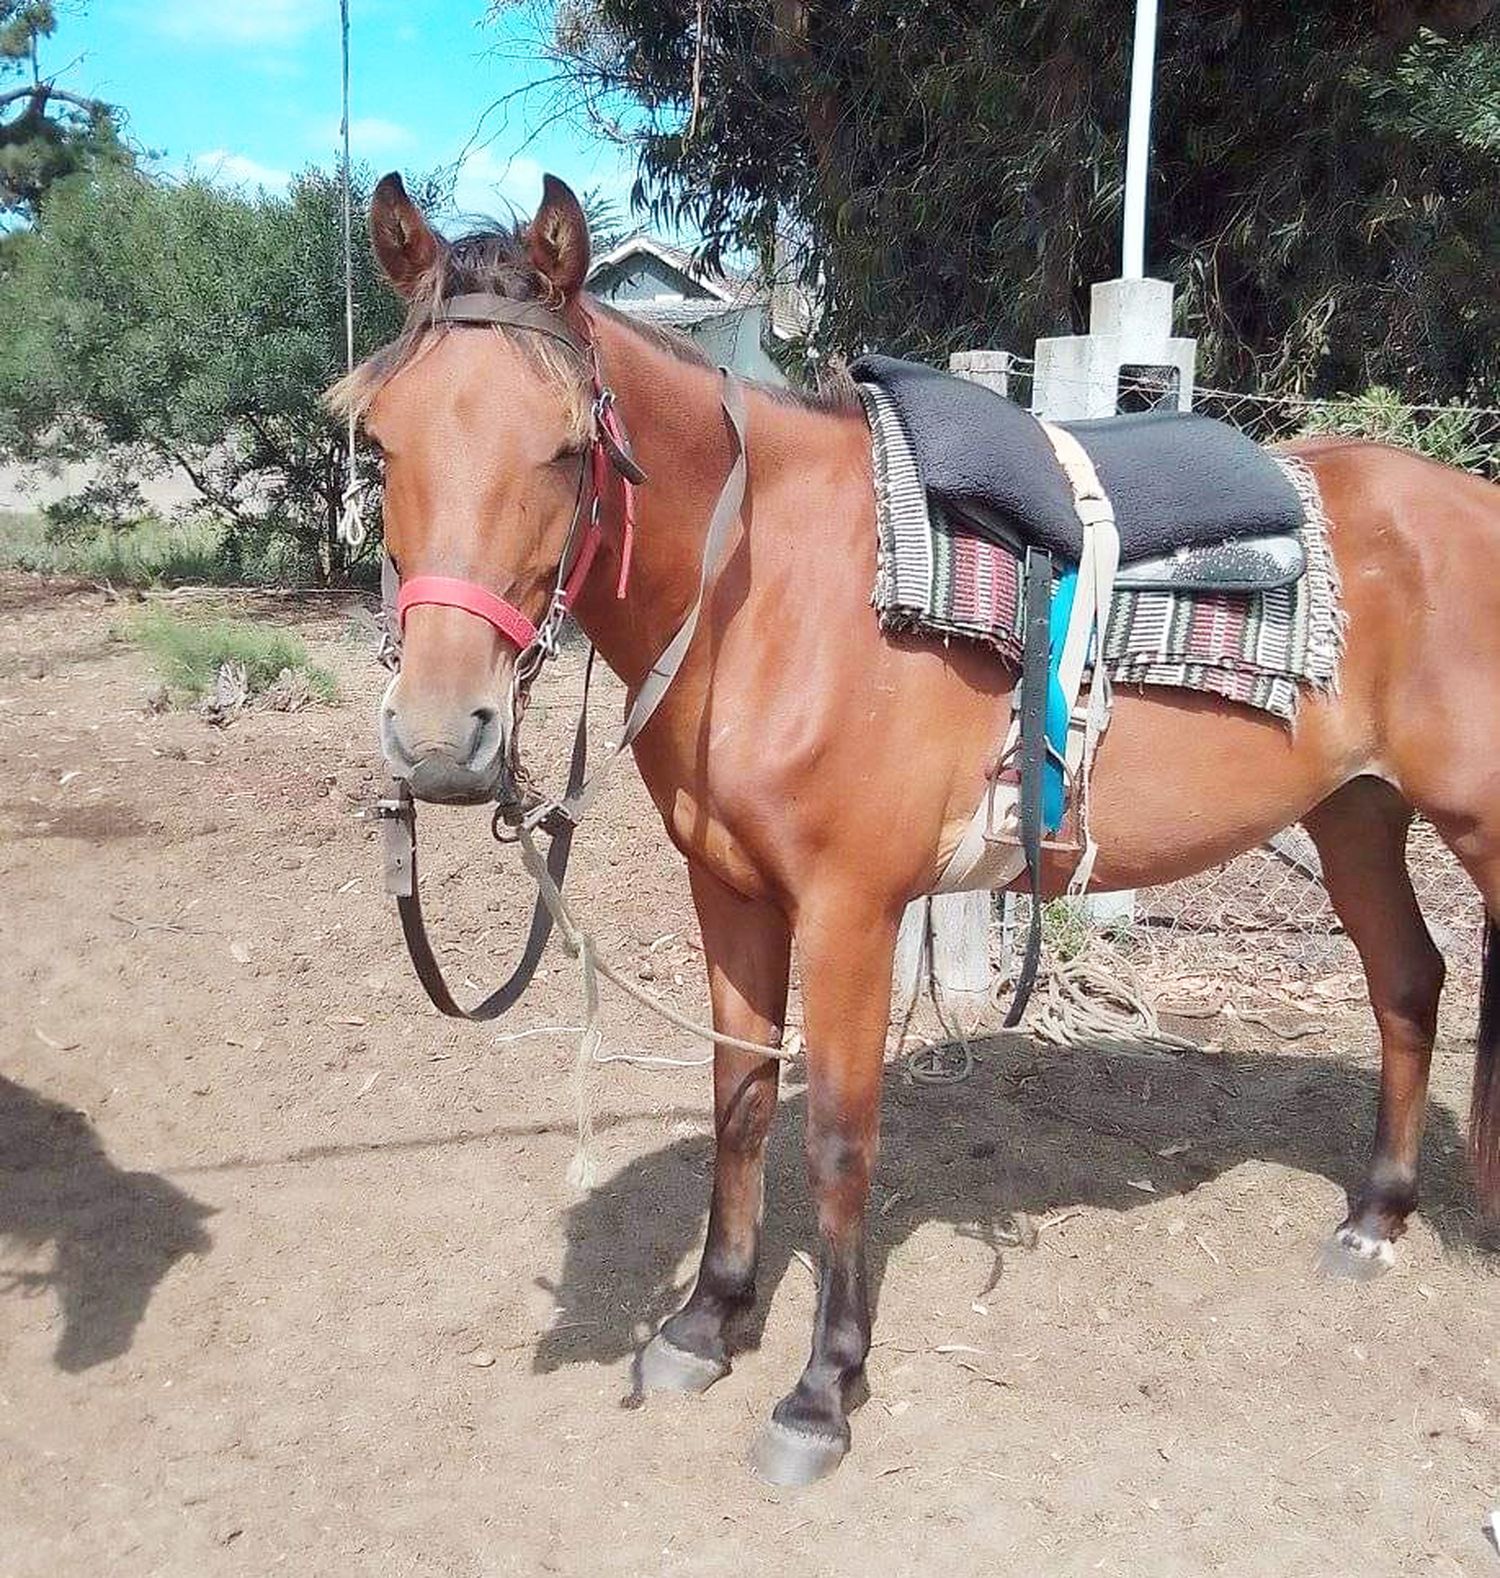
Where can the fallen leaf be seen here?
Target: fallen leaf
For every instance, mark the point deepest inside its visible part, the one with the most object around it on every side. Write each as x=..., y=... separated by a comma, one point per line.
x=57, y=1046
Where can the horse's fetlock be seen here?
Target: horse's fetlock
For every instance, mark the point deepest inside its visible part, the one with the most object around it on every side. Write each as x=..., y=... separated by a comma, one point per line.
x=727, y=1277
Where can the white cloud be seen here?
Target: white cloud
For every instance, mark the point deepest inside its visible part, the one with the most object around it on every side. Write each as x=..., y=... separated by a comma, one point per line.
x=490, y=186
x=237, y=22
x=235, y=169
x=371, y=134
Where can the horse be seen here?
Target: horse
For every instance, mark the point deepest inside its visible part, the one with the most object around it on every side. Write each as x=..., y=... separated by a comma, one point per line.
x=816, y=773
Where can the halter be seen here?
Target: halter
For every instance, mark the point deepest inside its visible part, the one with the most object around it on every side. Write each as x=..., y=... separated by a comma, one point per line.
x=609, y=449
x=397, y=812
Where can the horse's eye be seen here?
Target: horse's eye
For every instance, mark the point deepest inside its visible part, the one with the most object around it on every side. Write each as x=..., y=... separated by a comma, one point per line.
x=567, y=453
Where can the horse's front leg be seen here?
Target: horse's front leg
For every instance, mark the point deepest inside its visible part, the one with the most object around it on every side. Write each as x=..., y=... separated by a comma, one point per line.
x=846, y=953
x=747, y=948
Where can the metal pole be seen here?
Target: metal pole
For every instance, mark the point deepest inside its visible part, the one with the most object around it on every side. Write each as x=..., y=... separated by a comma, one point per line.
x=1138, y=145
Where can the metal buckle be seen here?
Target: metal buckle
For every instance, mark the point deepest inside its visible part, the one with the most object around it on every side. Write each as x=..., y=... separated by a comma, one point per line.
x=613, y=439
x=397, y=816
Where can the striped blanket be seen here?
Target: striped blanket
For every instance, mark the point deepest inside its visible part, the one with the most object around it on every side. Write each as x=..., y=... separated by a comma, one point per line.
x=1259, y=648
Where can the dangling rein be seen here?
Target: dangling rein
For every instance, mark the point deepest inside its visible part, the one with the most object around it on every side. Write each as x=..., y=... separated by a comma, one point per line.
x=609, y=449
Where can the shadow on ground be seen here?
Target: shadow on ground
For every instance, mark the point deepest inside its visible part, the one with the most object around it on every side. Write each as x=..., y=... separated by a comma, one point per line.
x=1031, y=1131
x=115, y=1234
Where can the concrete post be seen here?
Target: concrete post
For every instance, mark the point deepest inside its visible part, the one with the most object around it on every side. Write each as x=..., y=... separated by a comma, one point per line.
x=1078, y=376
x=1130, y=325
x=960, y=921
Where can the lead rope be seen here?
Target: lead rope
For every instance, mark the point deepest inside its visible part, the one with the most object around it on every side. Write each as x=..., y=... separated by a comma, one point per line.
x=351, y=522
x=583, y=1170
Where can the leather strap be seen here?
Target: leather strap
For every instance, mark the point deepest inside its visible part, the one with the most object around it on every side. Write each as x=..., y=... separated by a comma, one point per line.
x=1033, y=754
x=472, y=598
x=401, y=828
x=482, y=307
x=648, y=698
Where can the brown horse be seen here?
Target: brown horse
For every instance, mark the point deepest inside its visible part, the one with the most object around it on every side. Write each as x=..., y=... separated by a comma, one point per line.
x=816, y=773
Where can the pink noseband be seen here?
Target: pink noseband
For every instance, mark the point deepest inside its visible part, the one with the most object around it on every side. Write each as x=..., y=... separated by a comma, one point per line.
x=472, y=598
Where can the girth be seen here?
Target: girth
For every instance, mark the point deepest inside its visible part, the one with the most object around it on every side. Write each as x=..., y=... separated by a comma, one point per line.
x=1056, y=724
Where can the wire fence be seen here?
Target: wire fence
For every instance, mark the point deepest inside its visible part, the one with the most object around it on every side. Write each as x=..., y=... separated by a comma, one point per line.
x=1264, y=921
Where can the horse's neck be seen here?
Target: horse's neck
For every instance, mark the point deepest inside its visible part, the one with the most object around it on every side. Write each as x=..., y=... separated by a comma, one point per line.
x=677, y=427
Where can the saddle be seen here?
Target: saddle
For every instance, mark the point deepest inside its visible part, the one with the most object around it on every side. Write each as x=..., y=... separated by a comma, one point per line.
x=1183, y=487
x=1155, y=500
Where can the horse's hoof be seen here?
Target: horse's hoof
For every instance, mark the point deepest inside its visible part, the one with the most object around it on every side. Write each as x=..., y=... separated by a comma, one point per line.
x=1355, y=1256
x=662, y=1366
x=792, y=1457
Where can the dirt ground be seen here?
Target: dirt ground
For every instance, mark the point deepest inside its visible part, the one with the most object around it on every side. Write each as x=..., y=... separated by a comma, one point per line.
x=291, y=1278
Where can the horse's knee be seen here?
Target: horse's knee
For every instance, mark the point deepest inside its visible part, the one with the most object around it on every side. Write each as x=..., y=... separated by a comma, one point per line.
x=746, y=1119
x=839, y=1164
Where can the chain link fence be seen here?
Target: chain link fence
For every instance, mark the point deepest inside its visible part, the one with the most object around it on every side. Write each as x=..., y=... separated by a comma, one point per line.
x=1264, y=921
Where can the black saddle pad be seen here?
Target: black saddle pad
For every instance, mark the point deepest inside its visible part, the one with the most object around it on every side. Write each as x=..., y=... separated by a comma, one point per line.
x=1175, y=480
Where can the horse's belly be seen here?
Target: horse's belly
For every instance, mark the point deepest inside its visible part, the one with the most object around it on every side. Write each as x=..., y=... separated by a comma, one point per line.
x=1185, y=781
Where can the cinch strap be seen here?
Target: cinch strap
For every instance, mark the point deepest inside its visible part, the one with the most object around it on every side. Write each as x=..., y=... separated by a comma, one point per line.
x=449, y=593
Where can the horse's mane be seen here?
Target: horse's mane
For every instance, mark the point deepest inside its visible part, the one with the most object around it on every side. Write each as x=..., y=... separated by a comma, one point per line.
x=491, y=261
x=494, y=261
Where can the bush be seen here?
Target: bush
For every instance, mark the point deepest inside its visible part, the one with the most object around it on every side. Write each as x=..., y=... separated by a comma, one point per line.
x=1450, y=434
x=188, y=654
x=153, y=327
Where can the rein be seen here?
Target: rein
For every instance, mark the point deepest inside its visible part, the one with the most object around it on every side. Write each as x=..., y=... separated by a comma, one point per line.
x=609, y=448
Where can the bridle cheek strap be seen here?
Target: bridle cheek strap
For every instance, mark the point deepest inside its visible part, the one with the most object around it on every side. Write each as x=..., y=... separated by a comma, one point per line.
x=446, y=592
x=612, y=449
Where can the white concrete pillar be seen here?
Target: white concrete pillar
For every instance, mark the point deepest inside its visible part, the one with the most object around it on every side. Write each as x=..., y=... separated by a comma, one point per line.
x=960, y=921
x=1077, y=377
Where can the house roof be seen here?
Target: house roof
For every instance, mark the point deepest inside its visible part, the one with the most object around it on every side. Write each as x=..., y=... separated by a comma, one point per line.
x=686, y=314
x=735, y=289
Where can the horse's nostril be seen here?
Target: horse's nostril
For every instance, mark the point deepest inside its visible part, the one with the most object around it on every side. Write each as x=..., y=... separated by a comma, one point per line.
x=484, y=743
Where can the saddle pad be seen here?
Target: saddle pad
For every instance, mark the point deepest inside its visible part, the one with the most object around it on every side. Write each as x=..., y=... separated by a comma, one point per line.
x=1258, y=648
x=1175, y=480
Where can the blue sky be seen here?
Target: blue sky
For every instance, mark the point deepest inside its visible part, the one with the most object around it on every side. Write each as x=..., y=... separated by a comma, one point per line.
x=248, y=91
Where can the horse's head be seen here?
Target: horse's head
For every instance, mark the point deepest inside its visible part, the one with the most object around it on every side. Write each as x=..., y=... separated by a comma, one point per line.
x=485, y=429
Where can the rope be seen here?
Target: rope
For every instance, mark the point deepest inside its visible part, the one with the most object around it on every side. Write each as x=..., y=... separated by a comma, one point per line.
x=1097, y=995
x=934, y=1063
x=351, y=524
x=583, y=1170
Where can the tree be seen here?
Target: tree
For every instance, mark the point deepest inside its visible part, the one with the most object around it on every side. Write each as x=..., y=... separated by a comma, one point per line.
x=154, y=327
x=46, y=131
x=606, y=219
x=950, y=173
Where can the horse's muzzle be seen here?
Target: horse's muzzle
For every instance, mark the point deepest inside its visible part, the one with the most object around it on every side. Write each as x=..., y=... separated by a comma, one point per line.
x=461, y=762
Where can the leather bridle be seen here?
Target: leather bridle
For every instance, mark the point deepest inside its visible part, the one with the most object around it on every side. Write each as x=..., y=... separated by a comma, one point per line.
x=609, y=449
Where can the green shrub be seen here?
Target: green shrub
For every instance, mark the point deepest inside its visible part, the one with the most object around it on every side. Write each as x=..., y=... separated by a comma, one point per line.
x=1452, y=434
x=188, y=654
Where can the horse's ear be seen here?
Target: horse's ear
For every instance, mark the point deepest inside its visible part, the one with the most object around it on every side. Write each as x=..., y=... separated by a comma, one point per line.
x=557, y=240
x=404, y=242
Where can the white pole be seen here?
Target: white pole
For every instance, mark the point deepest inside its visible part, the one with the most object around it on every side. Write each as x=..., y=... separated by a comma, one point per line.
x=1138, y=146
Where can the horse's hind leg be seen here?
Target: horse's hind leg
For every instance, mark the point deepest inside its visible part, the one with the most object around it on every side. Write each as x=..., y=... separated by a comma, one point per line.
x=1360, y=832
x=747, y=947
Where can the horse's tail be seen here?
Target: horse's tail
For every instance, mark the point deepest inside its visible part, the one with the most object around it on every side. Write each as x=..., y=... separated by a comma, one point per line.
x=1484, y=1111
